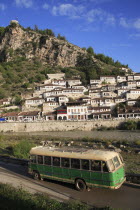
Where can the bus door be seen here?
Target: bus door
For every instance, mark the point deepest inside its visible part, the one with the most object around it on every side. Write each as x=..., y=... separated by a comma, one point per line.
x=96, y=175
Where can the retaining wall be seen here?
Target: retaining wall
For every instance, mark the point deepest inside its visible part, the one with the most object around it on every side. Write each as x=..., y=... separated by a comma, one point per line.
x=56, y=125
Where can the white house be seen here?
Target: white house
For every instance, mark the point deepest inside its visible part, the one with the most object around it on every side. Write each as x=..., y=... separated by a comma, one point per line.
x=33, y=102
x=133, y=94
x=77, y=111
x=49, y=106
x=108, y=94
x=137, y=76
x=95, y=81
x=71, y=82
x=121, y=78
x=56, y=76
x=108, y=79
x=59, y=82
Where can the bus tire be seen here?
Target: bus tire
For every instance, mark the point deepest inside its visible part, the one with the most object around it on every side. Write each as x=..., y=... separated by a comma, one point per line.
x=36, y=175
x=80, y=185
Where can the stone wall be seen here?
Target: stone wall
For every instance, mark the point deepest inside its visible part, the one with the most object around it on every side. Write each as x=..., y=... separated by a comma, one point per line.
x=56, y=125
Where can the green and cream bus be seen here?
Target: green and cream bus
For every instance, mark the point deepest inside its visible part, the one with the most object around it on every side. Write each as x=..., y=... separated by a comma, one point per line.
x=85, y=168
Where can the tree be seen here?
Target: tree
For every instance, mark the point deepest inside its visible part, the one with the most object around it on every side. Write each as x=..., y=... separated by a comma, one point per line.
x=61, y=37
x=18, y=100
x=50, y=32
x=36, y=28
x=90, y=50
x=2, y=93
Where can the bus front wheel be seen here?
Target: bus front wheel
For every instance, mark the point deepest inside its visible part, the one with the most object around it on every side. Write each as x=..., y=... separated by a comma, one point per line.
x=36, y=175
x=80, y=185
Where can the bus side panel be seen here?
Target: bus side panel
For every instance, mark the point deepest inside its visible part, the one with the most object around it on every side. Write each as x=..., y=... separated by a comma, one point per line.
x=85, y=175
x=47, y=170
x=75, y=173
x=57, y=171
x=119, y=175
x=66, y=173
x=40, y=168
x=96, y=178
x=108, y=179
x=33, y=166
x=111, y=179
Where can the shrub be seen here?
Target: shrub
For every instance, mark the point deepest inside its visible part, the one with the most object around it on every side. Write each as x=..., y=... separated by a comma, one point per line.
x=12, y=198
x=137, y=142
x=129, y=125
x=21, y=150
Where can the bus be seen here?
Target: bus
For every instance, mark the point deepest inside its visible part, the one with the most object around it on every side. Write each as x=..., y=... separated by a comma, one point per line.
x=86, y=168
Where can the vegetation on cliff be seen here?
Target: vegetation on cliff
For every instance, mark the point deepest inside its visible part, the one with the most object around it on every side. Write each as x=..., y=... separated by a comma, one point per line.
x=26, y=61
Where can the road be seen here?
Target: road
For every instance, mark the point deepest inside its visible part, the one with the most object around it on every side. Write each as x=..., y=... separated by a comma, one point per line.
x=125, y=198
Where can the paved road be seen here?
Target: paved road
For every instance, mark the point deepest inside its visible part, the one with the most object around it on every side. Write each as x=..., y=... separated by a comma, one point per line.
x=125, y=198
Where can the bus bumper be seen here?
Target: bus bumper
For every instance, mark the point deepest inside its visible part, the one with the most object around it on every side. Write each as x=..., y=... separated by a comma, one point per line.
x=118, y=185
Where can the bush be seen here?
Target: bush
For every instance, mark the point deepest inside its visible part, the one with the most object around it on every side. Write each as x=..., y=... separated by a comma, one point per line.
x=137, y=142
x=129, y=125
x=21, y=150
x=12, y=198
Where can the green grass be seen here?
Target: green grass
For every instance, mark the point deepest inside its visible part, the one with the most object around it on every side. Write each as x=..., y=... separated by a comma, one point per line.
x=18, y=199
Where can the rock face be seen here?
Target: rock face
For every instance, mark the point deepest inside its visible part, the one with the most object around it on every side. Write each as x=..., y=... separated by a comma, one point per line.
x=18, y=41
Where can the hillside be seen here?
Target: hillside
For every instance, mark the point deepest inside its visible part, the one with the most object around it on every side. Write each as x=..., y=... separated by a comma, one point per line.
x=27, y=55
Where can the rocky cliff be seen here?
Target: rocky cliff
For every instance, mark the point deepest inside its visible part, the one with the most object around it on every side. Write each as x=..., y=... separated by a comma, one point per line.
x=17, y=41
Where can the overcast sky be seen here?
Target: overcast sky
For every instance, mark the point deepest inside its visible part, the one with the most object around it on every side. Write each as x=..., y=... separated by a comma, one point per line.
x=111, y=27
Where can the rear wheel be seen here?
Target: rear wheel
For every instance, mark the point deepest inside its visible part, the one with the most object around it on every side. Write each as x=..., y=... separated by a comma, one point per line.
x=80, y=185
x=36, y=175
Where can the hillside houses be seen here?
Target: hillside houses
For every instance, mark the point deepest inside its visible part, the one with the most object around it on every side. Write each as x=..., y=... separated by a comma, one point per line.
x=68, y=99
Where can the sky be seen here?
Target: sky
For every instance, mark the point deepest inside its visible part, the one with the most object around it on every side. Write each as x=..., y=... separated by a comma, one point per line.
x=111, y=27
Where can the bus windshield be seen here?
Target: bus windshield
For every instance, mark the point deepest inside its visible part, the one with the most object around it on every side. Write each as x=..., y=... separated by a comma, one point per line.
x=111, y=165
x=116, y=162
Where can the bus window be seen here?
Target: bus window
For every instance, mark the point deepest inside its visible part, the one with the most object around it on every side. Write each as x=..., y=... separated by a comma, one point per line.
x=104, y=166
x=111, y=165
x=116, y=162
x=95, y=165
x=56, y=161
x=40, y=159
x=47, y=160
x=85, y=164
x=121, y=158
x=65, y=162
x=75, y=163
x=33, y=159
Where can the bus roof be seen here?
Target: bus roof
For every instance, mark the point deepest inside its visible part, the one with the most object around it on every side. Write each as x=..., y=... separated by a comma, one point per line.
x=80, y=153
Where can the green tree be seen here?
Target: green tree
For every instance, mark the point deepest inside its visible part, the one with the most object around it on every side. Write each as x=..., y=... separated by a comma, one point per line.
x=90, y=50
x=50, y=32
x=18, y=100
x=2, y=93
x=61, y=37
x=36, y=28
